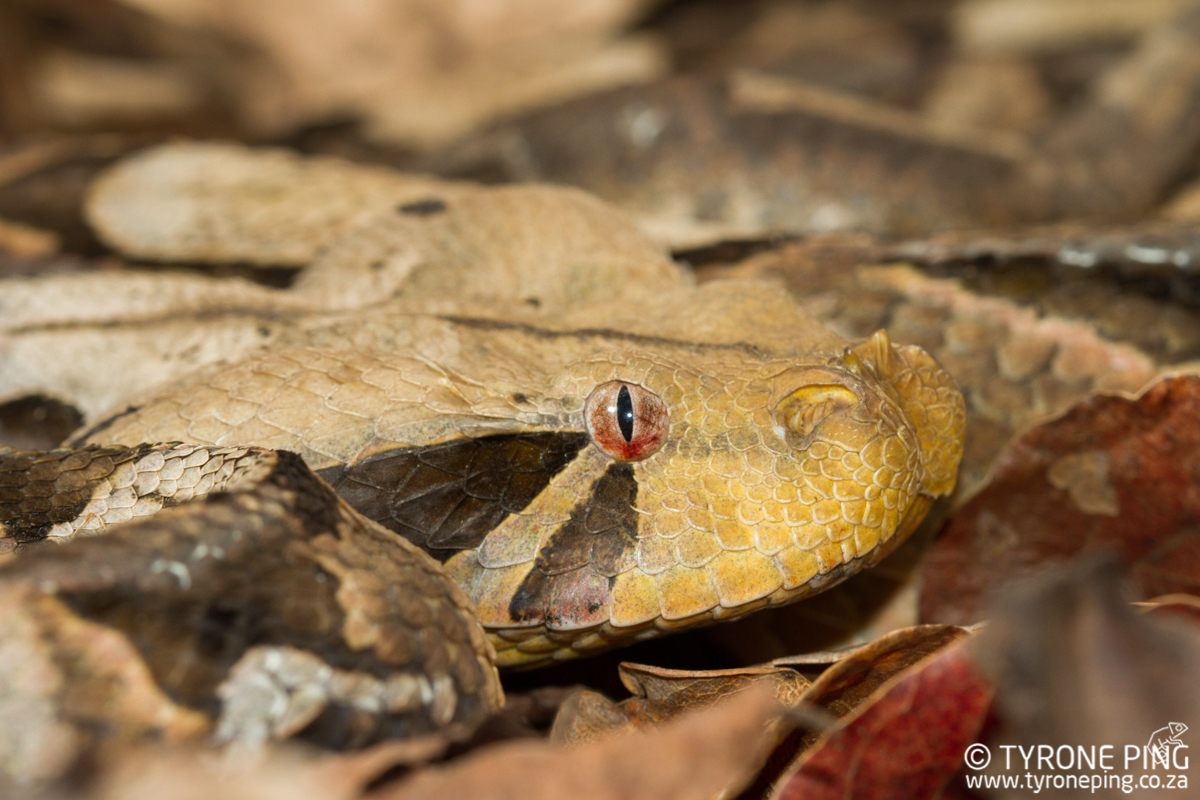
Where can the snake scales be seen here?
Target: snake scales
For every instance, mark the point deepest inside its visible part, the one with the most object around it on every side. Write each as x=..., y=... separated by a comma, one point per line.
x=621, y=455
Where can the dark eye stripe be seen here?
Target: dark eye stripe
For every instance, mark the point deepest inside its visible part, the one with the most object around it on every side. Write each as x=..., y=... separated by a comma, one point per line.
x=625, y=413
x=448, y=497
x=574, y=571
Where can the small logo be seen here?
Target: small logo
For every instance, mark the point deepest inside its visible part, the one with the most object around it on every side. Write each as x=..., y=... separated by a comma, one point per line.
x=977, y=756
x=1163, y=739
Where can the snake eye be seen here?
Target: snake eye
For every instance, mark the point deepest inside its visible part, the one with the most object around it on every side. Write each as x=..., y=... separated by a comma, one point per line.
x=626, y=421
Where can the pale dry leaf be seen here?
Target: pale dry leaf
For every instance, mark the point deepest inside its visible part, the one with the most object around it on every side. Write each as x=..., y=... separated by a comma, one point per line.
x=702, y=755
x=228, y=203
x=422, y=71
x=278, y=772
x=1049, y=25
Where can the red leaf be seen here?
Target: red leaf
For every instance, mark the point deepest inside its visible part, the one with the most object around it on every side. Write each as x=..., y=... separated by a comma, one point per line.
x=907, y=743
x=1112, y=472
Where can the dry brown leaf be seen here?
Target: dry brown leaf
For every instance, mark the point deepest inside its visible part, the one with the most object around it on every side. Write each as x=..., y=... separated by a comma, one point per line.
x=1112, y=472
x=854, y=678
x=26, y=241
x=588, y=716
x=227, y=203
x=709, y=753
x=1185, y=605
x=1049, y=25
x=662, y=694
x=75, y=90
x=989, y=94
x=859, y=673
x=838, y=46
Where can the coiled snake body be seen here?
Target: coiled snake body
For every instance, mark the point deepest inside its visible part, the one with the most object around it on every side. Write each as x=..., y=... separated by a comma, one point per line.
x=586, y=478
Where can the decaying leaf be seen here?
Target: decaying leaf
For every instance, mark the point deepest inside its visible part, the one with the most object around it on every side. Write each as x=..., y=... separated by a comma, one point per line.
x=661, y=694
x=712, y=752
x=907, y=741
x=1112, y=472
x=1075, y=666
x=853, y=678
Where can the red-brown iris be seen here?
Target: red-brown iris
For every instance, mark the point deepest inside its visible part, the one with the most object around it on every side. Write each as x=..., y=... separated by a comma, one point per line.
x=626, y=421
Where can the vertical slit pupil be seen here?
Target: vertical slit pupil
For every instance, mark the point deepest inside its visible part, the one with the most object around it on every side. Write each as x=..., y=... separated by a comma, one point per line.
x=625, y=413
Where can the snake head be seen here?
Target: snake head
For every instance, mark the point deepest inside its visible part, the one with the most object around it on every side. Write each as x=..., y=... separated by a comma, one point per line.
x=770, y=480
x=588, y=485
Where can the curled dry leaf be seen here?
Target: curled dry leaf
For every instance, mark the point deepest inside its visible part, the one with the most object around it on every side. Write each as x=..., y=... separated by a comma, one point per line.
x=1112, y=472
x=709, y=753
x=906, y=741
x=859, y=673
x=662, y=694
x=1075, y=665
x=853, y=678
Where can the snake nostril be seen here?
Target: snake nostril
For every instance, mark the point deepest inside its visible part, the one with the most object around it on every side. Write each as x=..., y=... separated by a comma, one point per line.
x=802, y=410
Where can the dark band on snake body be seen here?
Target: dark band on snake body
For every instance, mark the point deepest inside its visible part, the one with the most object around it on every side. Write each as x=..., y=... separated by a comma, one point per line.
x=447, y=497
